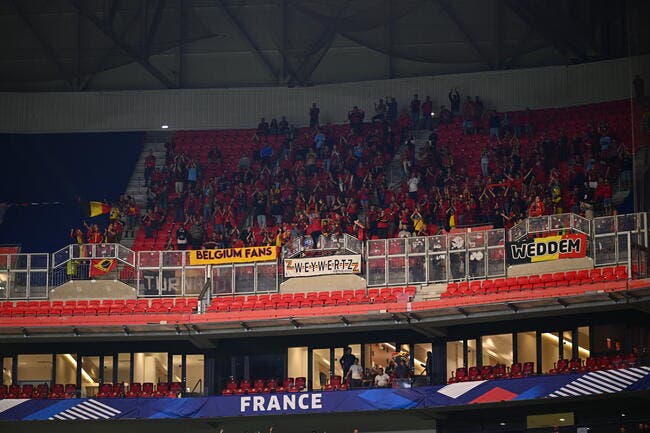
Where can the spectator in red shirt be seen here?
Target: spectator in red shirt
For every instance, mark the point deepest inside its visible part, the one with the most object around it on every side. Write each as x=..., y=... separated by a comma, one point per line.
x=536, y=208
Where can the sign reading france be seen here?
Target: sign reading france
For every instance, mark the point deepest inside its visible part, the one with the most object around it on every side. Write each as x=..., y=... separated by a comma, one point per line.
x=280, y=402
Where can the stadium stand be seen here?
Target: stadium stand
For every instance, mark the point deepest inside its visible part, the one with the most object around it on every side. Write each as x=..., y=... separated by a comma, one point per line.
x=548, y=153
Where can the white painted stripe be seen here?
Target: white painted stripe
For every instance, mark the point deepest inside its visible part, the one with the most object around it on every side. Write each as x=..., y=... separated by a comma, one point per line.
x=81, y=413
x=74, y=414
x=630, y=372
x=580, y=391
x=564, y=390
x=595, y=386
x=8, y=403
x=560, y=393
x=57, y=416
x=584, y=388
x=63, y=416
x=94, y=411
x=455, y=390
x=604, y=377
x=109, y=408
x=620, y=376
x=103, y=412
x=599, y=384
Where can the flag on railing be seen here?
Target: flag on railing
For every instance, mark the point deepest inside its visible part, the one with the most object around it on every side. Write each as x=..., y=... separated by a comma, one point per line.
x=96, y=208
x=99, y=267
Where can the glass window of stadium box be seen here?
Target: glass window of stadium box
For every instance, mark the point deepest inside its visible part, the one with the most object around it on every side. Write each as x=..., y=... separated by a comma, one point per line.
x=455, y=357
x=321, y=367
x=66, y=368
x=124, y=368
x=34, y=369
x=527, y=347
x=584, y=348
x=108, y=368
x=550, y=350
x=176, y=368
x=7, y=370
x=150, y=367
x=471, y=353
x=420, y=358
x=496, y=349
x=377, y=354
x=297, y=358
x=89, y=376
x=194, y=374
x=338, y=353
x=567, y=345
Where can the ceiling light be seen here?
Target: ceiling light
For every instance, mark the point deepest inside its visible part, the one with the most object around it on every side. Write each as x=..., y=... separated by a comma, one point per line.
x=562, y=419
x=164, y=126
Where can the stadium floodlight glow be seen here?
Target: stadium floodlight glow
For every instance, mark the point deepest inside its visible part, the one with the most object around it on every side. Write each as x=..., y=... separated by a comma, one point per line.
x=503, y=423
x=164, y=126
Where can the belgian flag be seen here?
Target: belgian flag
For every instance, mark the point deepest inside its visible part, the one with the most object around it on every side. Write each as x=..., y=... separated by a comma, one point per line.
x=96, y=208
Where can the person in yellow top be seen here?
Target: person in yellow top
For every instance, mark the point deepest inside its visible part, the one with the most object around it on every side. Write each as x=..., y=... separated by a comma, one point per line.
x=419, y=227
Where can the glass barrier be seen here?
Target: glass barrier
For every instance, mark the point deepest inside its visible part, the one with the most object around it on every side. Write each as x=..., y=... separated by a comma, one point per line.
x=245, y=278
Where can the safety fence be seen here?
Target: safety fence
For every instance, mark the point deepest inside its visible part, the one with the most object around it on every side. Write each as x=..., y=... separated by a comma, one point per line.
x=612, y=240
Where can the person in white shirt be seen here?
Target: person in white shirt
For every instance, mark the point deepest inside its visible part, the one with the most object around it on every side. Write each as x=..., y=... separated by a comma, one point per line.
x=356, y=374
x=382, y=380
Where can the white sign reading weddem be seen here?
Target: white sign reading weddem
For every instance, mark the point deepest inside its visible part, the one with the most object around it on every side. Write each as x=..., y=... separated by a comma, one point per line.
x=329, y=265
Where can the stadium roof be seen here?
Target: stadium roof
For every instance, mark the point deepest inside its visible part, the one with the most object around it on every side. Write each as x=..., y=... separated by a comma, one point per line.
x=63, y=45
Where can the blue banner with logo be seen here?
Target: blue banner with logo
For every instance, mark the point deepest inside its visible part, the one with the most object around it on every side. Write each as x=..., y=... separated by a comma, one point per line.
x=463, y=393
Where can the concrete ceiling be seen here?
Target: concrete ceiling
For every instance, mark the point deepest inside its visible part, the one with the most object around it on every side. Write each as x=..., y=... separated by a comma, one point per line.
x=76, y=45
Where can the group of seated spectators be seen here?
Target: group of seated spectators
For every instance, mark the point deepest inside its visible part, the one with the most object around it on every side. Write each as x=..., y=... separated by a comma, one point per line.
x=327, y=180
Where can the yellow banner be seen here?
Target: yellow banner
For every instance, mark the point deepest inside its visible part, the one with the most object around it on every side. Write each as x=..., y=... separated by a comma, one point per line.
x=233, y=255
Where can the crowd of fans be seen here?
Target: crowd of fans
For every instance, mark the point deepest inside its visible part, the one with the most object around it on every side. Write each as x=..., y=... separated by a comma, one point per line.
x=478, y=167
x=123, y=220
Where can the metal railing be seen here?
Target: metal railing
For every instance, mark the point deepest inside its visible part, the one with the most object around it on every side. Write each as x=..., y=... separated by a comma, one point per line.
x=615, y=240
x=436, y=259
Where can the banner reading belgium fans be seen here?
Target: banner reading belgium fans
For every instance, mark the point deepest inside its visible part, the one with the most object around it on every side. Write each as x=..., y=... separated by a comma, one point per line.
x=233, y=255
x=567, y=246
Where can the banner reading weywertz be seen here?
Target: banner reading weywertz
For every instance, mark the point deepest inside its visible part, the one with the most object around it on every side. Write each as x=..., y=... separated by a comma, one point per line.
x=329, y=265
x=233, y=255
x=567, y=246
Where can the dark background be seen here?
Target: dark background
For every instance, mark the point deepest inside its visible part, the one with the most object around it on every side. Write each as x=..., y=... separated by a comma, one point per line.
x=67, y=168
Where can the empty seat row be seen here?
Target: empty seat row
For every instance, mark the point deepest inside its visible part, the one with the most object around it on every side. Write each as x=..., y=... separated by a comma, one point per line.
x=140, y=390
x=533, y=282
x=289, y=384
x=595, y=363
x=97, y=307
x=311, y=299
x=489, y=372
x=39, y=391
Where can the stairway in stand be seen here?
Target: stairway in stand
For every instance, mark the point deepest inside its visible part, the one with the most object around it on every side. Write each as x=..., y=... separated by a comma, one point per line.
x=136, y=188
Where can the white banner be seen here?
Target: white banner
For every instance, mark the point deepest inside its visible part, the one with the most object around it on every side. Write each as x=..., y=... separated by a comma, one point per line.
x=329, y=265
